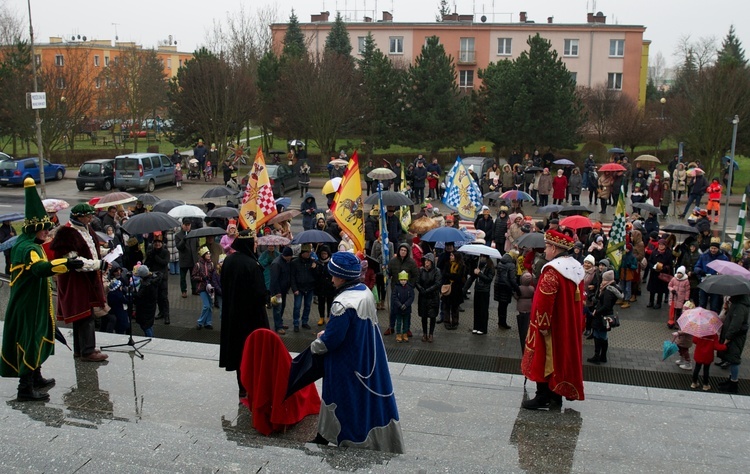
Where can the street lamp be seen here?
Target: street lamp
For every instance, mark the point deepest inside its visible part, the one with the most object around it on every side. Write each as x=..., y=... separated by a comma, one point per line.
x=735, y=123
x=662, y=101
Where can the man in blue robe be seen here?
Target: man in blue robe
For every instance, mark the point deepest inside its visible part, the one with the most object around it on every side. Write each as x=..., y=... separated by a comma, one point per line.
x=359, y=406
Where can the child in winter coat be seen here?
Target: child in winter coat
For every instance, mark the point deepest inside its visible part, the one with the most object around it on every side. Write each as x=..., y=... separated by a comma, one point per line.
x=684, y=342
x=628, y=274
x=178, y=175
x=146, y=284
x=597, y=248
x=401, y=299
x=118, y=304
x=523, y=305
x=704, y=356
x=679, y=289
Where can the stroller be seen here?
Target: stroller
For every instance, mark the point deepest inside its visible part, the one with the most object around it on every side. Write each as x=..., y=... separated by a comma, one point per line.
x=194, y=170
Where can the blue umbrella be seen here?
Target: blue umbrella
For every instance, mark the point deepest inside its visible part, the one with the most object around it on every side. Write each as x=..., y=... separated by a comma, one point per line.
x=444, y=234
x=726, y=159
x=564, y=162
x=615, y=150
x=8, y=243
x=284, y=202
x=668, y=348
x=313, y=236
x=13, y=216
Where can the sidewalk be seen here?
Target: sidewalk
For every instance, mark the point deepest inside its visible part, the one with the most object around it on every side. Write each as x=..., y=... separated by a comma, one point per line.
x=177, y=411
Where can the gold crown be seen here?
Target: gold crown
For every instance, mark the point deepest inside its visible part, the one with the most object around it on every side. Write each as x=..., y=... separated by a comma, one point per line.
x=558, y=240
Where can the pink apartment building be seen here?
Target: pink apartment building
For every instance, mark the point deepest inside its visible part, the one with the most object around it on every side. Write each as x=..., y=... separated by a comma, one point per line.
x=595, y=52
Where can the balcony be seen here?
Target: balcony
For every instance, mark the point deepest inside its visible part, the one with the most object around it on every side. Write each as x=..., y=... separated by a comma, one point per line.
x=466, y=57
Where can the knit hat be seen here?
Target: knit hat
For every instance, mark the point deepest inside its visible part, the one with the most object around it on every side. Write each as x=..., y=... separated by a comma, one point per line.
x=114, y=285
x=36, y=217
x=605, y=262
x=609, y=275
x=590, y=258
x=143, y=271
x=596, y=225
x=82, y=209
x=287, y=252
x=403, y=275
x=344, y=265
x=681, y=269
x=662, y=242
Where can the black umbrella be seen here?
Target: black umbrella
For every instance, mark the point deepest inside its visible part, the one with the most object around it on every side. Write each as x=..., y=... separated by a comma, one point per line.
x=680, y=229
x=306, y=368
x=166, y=205
x=205, y=232
x=647, y=207
x=217, y=191
x=727, y=285
x=550, y=209
x=533, y=240
x=59, y=336
x=492, y=196
x=224, y=212
x=149, y=222
x=313, y=236
x=148, y=199
x=276, y=152
x=390, y=198
x=533, y=169
x=575, y=210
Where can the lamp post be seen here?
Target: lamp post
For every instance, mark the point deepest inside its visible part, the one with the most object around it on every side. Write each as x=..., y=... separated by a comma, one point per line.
x=40, y=150
x=662, y=101
x=735, y=123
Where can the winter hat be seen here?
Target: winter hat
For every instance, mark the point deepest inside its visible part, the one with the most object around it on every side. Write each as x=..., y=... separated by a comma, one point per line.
x=662, y=242
x=430, y=257
x=526, y=278
x=82, y=209
x=609, y=275
x=596, y=225
x=599, y=239
x=35, y=217
x=403, y=275
x=115, y=284
x=143, y=271
x=605, y=262
x=344, y=265
x=590, y=258
x=681, y=269
x=287, y=252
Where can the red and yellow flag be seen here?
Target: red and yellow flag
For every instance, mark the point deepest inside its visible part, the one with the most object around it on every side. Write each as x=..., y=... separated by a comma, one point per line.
x=258, y=204
x=348, y=208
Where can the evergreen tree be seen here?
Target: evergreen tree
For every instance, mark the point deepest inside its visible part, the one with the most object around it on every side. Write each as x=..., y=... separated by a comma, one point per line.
x=267, y=84
x=434, y=114
x=731, y=54
x=294, y=39
x=443, y=9
x=15, y=81
x=338, y=39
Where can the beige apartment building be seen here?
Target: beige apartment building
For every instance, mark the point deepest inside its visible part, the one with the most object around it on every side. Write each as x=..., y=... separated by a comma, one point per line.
x=594, y=52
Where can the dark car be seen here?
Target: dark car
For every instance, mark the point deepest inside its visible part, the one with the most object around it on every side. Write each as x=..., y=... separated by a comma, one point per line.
x=14, y=171
x=282, y=177
x=99, y=174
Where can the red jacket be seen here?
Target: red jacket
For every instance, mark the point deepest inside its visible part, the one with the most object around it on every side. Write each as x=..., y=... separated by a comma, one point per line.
x=714, y=192
x=705, y=347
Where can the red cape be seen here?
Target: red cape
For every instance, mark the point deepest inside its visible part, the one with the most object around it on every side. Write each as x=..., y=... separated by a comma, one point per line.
x=558, y=308
x=264, y=373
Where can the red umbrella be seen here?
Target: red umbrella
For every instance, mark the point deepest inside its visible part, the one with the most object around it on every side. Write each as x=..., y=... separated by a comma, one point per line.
x=576, y=222
x=612, y=167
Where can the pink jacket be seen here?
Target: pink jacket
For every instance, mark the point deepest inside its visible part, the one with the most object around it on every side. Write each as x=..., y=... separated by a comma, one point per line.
x=682, y=288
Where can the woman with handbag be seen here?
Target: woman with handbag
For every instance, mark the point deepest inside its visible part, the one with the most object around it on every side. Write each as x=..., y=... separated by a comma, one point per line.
x=661, y=264
x=452, y=289
x=603, y=319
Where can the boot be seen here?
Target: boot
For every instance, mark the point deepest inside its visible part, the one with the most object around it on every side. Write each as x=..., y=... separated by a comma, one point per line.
x=604, y=346
x=26, y=391
x=730, y=387
x=39, y=381
x=541, y=400
x=597, y=352
x=321, y=322
x=166, y=320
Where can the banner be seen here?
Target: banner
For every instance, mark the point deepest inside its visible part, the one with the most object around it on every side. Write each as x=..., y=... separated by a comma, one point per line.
x=258, y=203
x=348, y=208
x=404, y=213
x=462, y=193
x=739, y=235
x=616, y=245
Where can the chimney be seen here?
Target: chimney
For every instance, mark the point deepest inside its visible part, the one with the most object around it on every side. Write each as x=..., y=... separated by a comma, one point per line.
x=590, y=17
x=387, y=16
x=522, y=17
x=600, y=18
x=322, y=18
x=549, y=19
x=368, y=19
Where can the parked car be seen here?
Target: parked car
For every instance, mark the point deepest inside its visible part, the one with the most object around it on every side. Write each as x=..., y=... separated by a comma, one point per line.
x=4, y=157
x=99, y=174
x=481, y=164
x=143, y=171
x=14, y=171
x=282, y=177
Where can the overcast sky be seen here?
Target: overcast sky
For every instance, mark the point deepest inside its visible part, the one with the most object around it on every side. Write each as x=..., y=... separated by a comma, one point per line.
x=148, y=21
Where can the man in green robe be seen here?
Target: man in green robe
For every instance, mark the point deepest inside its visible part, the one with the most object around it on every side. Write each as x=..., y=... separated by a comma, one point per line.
x=29, y=332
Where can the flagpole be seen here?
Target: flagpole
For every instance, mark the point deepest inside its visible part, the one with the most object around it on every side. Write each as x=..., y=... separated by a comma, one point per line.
x=735, y=121
x=383, y=240
x=739, y=235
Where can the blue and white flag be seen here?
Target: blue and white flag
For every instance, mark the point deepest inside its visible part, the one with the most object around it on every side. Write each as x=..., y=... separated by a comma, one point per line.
x=383, y=228
x=462, y=193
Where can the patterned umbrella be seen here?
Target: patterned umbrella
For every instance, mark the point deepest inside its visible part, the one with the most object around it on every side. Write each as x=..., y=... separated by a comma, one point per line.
x=113, y=199
x=273, y=240
x=54, y=205
x=331, y=186
x=700, y=322
x=515, y=195
x=381, y=173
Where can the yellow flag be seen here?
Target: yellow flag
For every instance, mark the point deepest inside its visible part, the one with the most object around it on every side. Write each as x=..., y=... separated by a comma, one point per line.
x=404, y=212
x=348, y=208
x=258, y=204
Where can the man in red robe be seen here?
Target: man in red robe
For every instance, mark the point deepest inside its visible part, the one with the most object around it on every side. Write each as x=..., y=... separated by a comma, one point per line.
x=552, y=356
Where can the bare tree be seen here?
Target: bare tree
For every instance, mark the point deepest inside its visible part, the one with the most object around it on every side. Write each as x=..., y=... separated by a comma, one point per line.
x=12, y=27
x=657, y=69
x=702, y=52
x=633, y=126
x=243, y=37
x=601, y=106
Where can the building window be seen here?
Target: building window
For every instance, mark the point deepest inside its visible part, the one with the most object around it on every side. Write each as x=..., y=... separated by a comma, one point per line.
x=617, y=48
x=466, y=53
x=574, y=77
x=361, y=44
x=504, y=46
x=106, y=61
x=614, y=81
x=106, y=81
x=60, y=83
x=180, y=62
x=98, y=83
x=59, y=60
x=96, y=60
x=38, y=59
x=396, y=45
x=169, y=63
x=571, y=47
x=466, y=79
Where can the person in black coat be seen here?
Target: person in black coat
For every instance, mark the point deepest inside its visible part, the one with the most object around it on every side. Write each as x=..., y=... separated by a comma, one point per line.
x=242, y=281
x=428, y=288
x=505, y=287
x=500, y=229
x=281, y=282
x=483, y=274
x=324, y=289
x=485, y=223
x=661, y=263
x=145, y=299
x=609, y=293
x=157, y=259
x=419, y=175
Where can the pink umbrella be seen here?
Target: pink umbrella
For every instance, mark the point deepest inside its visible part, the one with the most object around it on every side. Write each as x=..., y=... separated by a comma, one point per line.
x=699, y=322
x=729, y=268
x=273, y=240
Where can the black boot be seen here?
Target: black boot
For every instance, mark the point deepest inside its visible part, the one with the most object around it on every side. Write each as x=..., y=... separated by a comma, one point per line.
x=597, y=352
x=732, y=387
x=723, y=386
x=166, y=320
x=541, y=400
x=26, y=391
x=604, y=346
x=39, y=381
x=650, y=301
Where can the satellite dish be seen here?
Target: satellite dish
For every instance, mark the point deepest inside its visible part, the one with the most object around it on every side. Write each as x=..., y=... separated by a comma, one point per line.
x=484, y=18
x=73, y=38
x=84, y=38
x=79, y=36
